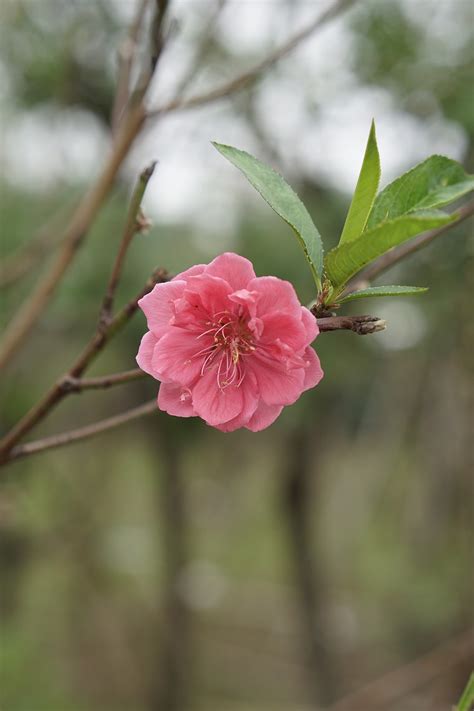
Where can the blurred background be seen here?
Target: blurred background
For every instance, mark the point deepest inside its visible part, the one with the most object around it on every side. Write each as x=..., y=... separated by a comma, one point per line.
x=166, y=565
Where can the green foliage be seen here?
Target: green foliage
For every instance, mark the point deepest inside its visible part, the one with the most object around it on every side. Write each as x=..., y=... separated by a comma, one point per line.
x=281, y=198
x=365, y=192
x=374, y=225
x=384, y=291
x=436, y=182
x=347, y=259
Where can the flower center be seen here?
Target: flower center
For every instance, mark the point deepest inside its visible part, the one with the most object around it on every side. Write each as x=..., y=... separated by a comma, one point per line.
x=231, y=341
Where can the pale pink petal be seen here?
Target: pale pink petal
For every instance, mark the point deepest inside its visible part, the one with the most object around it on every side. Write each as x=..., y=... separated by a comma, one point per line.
x=310, y=323
x=213, y=404
x=275, y=295
x=313, y=371
x=175, y=400
x=192, y=271
x=145, y=353
x=277, y=384
x=263, y=416
x=236, y=270
x=157, y=305
x=174, y=357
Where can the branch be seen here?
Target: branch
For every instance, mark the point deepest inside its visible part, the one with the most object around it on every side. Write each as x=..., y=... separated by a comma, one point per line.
x=60, y=389
x=60, y=440
x=75, y=232
x=240, y=82
x=132, y=226
x=396, y=255
x=78, y=385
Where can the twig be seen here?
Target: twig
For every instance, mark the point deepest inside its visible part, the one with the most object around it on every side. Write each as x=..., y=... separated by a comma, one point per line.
x=60, y=440
x=60, y=389
x=362, y=325
x=132, y=226
x=126, y=57
x=395, y=255
x=102, y=382
x=240, y=82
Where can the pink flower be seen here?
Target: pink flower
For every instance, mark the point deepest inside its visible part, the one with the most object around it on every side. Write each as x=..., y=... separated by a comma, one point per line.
x=228, y=346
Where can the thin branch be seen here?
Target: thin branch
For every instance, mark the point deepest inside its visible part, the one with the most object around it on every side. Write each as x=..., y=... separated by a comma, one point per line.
x=102, y=382
x=362, y=325
x=60, y=440
x=132, y=226
x=389, y=259
x=75, y=232
x=60, y=389
x=126, y=57
x=245, y=79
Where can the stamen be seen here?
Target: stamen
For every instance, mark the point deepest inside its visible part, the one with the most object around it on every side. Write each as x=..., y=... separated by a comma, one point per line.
x=230, y=339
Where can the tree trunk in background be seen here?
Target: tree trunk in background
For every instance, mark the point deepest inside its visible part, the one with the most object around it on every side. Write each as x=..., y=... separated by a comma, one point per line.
x=298, y=496
x=172, y=683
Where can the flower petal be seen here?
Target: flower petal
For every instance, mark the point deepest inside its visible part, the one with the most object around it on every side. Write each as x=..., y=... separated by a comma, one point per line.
x=277, y=384
x=284, y=327
x=175, y=400
x=192, y=271
x=236, y=270
x=157, y=305
x=313, y=372
x=203, y=297
x=275, y=295
x=310, y=324
x=145, y=353
x=250, y=402
x=174, y=357
x=263, y=416
x=213, y=404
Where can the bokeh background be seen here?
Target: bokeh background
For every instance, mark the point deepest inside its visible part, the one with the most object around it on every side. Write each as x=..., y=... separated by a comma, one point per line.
x=166, y=565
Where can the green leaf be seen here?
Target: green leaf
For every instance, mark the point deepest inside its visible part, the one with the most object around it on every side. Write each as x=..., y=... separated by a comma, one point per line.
x=431, y=184
x=365, y=192
x=347, y=259
x=286, y=203
x=467, y=699
x=384, y=291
